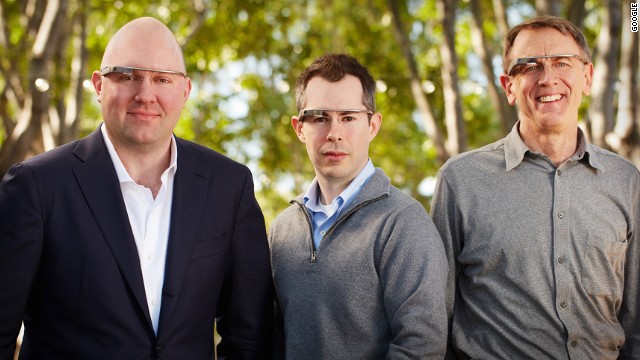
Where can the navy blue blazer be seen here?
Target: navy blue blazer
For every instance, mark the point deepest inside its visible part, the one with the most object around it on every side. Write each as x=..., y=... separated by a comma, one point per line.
x=69, y=266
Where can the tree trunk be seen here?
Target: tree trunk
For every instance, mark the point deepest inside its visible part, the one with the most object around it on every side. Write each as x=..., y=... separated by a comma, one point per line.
x=625, y=137
x=501, y=18
x=507, y=114
x=548, y=7
x=576, y=12
x=38, y=101
x=601, y=113
x=456, y=134
x=69, y=128
x=416, y=87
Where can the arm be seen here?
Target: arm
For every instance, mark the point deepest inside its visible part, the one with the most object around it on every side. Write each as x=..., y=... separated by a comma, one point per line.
x=245, y=321
x=630, y=310
x=20, y=249
x=278, y=349
x=413, y=272
x=444, y=218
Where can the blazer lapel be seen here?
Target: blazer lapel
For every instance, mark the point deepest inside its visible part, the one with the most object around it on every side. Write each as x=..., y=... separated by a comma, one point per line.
x=190, y=190
x=100, y=185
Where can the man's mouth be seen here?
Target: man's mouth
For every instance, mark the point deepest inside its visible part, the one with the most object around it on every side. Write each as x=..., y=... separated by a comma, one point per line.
x=335, y=155
x=549, y=98
x=144, y=115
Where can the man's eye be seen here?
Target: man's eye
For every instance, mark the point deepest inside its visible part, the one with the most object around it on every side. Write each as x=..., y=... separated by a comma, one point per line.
x=561, y=65
x=128, y=77
x=532, y=68
x=163, y=80
x=348, y=118
x=319, y=119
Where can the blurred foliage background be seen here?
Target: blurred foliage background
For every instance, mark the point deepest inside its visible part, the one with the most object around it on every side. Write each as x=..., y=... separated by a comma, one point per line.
x=437, y=64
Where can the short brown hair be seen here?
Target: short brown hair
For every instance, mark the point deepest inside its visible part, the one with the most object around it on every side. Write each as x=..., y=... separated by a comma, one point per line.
x=541, y=22
x=334, y=67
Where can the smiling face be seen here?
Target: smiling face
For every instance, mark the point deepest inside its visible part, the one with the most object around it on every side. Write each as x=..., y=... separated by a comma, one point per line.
x=141, y=109
x=549, y=96
x=339, y=150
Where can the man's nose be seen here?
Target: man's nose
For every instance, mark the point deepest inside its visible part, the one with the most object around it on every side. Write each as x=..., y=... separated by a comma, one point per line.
x=335, y=129
x=548, y=74
x=146, y=90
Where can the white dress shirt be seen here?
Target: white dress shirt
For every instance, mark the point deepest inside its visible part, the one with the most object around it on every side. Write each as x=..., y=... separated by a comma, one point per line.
x=149, y=219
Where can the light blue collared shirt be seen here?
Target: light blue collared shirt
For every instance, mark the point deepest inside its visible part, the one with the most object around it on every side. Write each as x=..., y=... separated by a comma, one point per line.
x=323, y=216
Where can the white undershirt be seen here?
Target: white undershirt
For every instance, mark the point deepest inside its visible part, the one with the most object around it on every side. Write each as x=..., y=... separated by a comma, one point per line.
x=149, y=219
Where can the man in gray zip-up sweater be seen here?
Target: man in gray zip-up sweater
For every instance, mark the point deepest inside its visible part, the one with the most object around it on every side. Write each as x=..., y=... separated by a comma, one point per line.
x=359, y=268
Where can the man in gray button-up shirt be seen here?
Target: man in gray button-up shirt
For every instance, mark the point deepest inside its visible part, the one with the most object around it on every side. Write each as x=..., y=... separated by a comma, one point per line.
x=542, y=228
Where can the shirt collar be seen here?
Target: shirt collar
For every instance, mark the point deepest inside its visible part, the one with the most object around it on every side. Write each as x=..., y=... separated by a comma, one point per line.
x=515, y=149
x=121, y=171
x=585, y=148
x=312, y=196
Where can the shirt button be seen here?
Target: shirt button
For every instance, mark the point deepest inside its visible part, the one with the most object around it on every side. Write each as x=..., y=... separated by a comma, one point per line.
x=563, y=304
x=574, y=343
x=322, y=233
x=154, y=303
x=561, y=214
x=561, y=259
x=559, y=173
x=151, y=257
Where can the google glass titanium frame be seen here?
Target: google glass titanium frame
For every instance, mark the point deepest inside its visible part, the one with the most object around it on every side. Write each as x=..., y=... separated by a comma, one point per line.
x=532, y=61
x=320, y=112
x=110, y=69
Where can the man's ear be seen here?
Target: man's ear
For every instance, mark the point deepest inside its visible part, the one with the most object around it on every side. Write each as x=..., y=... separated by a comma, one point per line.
x=297, y=127
x=187, y=89
x=507, y=85
x=96, y=79
x=588, y=77
x=374, y=125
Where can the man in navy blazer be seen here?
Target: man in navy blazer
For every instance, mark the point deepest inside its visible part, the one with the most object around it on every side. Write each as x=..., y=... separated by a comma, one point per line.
x=131, y=243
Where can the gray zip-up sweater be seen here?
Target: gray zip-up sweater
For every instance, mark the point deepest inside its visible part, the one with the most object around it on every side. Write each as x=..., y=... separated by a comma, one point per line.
x=373, y=290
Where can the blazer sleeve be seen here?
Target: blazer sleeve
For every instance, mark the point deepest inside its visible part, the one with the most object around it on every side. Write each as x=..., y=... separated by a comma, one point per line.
x=244, y=319
x=21, y=239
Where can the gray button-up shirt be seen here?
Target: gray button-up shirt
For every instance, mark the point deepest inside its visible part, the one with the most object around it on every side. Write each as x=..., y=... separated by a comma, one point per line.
x=544, y=261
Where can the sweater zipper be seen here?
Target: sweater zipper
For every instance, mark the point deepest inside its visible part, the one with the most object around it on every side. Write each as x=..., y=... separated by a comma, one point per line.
x=314, y=252
x=341, y=219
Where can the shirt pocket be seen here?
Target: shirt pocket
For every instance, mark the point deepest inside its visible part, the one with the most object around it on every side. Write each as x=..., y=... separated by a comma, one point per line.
x=603, y=266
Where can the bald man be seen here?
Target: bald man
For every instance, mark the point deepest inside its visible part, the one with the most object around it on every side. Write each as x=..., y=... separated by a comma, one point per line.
x=132, y=243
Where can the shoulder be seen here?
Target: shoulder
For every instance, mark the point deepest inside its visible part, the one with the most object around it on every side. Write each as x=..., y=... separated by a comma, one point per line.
x=617, y=171
x=490, y=153
x=612, y=162
x=69, y=154
x=463, y=170
x=402, y=220
x=55, y=160
x=401, y=200
x=289, y=215
x=48, y=172
x=288, y=223
x=391, y=203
